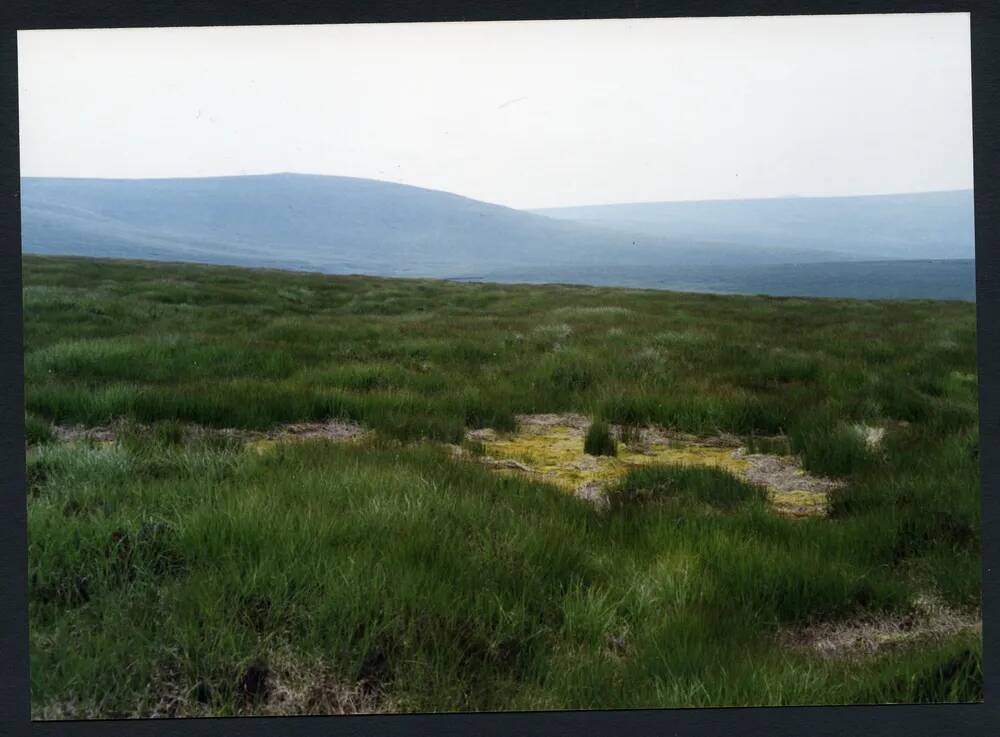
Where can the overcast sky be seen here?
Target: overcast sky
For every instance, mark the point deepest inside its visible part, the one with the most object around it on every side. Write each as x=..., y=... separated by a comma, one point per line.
x=526, y=114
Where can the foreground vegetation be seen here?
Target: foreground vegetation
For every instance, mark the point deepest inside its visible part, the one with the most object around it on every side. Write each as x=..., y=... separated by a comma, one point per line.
x=175, y=571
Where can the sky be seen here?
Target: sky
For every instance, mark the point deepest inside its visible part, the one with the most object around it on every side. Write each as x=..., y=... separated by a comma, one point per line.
x=523, y=113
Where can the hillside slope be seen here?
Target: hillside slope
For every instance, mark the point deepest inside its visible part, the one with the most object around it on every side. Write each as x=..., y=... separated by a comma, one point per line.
x=343, y=225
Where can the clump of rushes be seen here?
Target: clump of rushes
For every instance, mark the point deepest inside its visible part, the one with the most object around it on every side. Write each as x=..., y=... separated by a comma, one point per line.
x=599, y=441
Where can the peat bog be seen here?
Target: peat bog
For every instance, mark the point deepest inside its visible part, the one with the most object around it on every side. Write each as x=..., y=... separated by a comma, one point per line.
x=267, y=492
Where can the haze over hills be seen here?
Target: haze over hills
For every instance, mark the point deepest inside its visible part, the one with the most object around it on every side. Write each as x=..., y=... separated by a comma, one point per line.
x=925, y=225
x=348, y=225
x=336, y=224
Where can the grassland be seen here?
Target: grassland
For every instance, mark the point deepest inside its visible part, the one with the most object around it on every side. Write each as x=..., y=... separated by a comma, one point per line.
x=174, y=571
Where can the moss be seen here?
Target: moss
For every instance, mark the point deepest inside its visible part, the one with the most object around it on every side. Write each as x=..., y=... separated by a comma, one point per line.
x=799, y=502
x=261, y=447
x=556, y=453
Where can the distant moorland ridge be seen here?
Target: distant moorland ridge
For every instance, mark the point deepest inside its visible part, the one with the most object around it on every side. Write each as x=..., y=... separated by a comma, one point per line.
x=350, y=225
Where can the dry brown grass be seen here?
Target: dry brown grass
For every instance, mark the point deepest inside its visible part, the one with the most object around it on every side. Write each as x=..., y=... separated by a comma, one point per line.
x=929, y=619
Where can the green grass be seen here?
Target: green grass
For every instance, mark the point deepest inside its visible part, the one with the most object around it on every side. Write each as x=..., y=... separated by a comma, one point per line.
x=393, y=576
x=37, y=430
x=651, y=484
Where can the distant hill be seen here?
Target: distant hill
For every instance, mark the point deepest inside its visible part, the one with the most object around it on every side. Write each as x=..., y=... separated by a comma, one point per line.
x=341, y=225
x=931, y=225
x=951, y=279
x=347, y=225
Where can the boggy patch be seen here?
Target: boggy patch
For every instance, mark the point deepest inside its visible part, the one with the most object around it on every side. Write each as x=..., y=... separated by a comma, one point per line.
x=335, y=430
x=792, y=491
x=261, y=442
x=300, y=685
x=283, y=683
x=550, y=447
x=928, y=619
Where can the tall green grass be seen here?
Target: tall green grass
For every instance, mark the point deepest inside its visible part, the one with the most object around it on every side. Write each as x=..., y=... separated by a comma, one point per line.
x=496, y=593
x=165, y=565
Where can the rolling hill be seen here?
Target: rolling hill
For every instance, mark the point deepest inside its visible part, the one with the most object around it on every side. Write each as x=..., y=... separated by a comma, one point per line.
x=925, y=225
x=342, y=225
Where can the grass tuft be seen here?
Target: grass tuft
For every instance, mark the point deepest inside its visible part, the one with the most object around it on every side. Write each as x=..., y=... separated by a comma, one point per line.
x=599, y=440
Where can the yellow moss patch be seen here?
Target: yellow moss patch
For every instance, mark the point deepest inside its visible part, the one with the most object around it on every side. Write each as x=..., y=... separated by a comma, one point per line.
x=553, y=452
x=556, y=454
x=261, y=447
x=799, y=503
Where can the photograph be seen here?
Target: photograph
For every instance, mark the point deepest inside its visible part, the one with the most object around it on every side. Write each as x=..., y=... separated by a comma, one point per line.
x=500, y=366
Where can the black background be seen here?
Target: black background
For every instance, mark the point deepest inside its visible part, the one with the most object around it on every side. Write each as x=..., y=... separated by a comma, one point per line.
x=870, y=721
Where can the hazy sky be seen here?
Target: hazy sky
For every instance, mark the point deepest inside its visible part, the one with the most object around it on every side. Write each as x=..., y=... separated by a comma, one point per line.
x=527, y=114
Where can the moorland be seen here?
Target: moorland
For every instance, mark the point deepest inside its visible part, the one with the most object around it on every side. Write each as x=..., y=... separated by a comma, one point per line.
x=265, y=492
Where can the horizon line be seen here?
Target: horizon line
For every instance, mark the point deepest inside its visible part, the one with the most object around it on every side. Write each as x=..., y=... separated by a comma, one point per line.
x=525, y=209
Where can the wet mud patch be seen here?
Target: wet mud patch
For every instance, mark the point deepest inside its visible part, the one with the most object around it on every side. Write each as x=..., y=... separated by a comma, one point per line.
x=928, y=620
x=549, y=447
